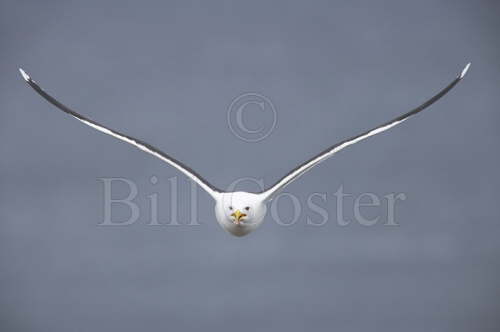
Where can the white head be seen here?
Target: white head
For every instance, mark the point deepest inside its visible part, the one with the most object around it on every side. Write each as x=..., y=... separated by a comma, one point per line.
x=239, y=212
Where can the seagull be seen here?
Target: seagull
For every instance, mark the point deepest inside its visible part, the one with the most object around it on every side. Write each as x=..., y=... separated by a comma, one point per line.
x=238, y=212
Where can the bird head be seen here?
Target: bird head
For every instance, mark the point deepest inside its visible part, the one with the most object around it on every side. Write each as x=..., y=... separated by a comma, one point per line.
x=240, y=213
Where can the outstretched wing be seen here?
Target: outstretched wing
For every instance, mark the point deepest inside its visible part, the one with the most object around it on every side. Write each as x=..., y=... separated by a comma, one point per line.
x=298, y=171
x=138, y=143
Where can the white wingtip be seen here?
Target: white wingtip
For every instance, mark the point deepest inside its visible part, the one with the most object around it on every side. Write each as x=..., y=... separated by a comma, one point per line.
x=25, y=76
x=464, y=71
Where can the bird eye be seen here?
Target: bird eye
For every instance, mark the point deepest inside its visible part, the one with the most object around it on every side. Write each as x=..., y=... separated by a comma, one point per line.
x=247, y=208
x=230, y=208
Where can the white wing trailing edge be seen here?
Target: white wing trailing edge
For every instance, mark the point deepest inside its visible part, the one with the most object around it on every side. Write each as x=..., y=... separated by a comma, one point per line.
x=213, y=191
x=464, y=71
x=301, y=169
x=25, y=76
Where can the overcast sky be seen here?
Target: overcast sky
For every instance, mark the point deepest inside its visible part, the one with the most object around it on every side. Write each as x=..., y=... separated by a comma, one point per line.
x=167, y=72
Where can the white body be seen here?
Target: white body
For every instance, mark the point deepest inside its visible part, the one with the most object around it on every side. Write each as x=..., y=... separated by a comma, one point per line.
x=253, y=205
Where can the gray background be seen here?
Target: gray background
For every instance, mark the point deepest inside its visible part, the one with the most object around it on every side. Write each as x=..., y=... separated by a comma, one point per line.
x=166, y=72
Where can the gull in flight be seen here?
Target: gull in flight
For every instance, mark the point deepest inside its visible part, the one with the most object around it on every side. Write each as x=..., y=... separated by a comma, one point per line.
x=240, y=212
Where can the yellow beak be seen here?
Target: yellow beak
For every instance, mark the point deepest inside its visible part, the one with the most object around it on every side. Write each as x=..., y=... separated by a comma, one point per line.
x=238, y=216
